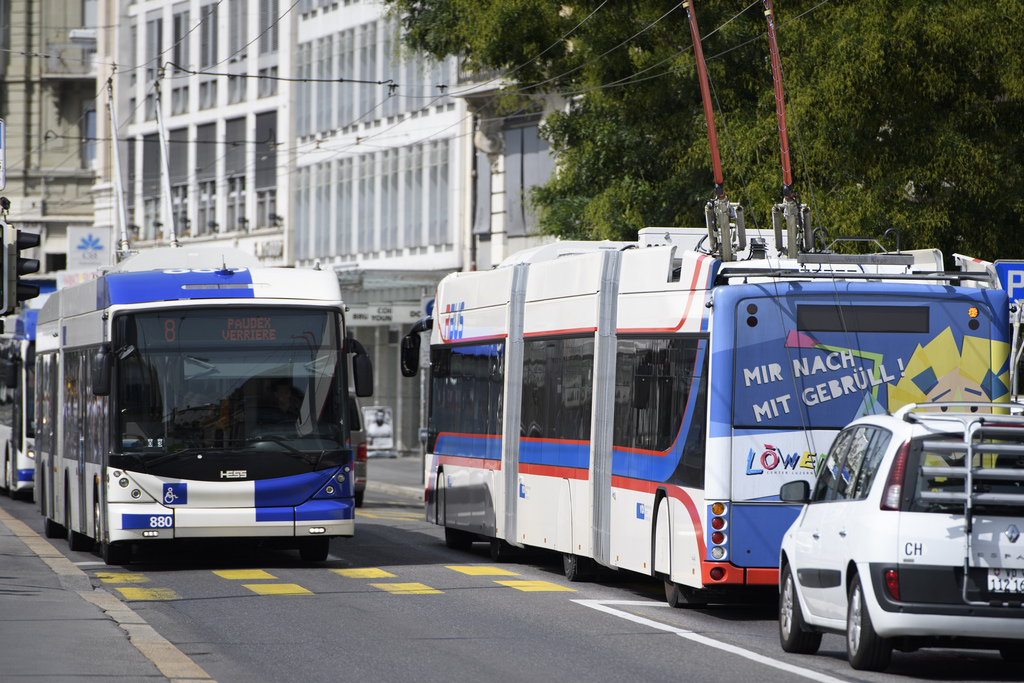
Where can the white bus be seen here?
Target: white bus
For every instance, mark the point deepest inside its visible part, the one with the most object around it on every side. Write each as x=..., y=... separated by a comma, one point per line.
x=190, y=393
x=638, y=406
x=17, y=394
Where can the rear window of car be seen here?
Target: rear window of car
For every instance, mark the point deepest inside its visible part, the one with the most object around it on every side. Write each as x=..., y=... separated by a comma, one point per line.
x=940, y=482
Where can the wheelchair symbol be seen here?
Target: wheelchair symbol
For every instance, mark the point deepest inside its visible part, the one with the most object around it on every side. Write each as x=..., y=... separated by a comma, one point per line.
x=169, y=496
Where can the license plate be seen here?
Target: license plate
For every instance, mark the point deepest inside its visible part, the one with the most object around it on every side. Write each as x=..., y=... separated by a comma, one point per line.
x=1006, y=580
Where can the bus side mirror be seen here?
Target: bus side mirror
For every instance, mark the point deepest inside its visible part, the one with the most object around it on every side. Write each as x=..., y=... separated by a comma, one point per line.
x=410, y=354
x=362, y=368
x=8, y=373
x=795, y=492
x=102, y=368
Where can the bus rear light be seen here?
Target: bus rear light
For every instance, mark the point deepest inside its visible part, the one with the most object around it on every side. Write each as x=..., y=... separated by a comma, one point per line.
x=718, y=538
x=718, y=508
x=718, y=522
x=718, y=553
x=717, y=573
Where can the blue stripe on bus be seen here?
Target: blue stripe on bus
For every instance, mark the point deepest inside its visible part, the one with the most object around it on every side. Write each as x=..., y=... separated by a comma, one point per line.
x=554, y=453
x=141, y=287
x=318, y=510
x=275, y=514
x=468, y=446
x=290, y=491
x=755, y=533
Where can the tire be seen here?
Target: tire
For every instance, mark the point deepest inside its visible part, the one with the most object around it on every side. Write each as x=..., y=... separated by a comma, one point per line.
x=577, y=568
x=683, y=596
x=76, y=542
x=457, y=539
x=117, y=553
x=794, y=635
x=359, y=499
x=500, y=550
x=53, y=530
x=865, y=650
x=1012, y=653
x=315, y=549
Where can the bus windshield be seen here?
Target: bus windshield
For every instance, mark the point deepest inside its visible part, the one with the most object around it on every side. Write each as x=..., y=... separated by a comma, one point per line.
x=225, y=378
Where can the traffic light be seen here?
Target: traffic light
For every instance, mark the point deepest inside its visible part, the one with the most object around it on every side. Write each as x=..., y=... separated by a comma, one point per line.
x=14, y=290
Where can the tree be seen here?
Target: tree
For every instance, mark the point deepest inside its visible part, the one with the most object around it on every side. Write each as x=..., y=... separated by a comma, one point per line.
x=902, y=113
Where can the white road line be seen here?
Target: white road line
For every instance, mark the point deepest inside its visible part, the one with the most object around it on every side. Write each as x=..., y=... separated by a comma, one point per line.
x=609, y=607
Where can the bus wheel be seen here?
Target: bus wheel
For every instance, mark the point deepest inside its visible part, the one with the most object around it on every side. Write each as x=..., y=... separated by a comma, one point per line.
x=683, y=596
x=457, y=539
x=117, y=553
x=314, y=549
x=53, y=530
x=500, y=550
x=577, y=568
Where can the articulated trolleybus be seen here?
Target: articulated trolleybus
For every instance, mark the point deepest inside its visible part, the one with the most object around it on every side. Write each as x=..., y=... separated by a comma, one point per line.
x=190, y=393
x=639, y=405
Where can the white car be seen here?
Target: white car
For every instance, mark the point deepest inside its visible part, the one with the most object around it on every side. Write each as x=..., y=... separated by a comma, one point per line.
x=911, y=537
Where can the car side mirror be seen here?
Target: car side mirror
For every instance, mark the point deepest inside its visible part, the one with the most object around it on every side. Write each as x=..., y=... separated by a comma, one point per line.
x=795, y=492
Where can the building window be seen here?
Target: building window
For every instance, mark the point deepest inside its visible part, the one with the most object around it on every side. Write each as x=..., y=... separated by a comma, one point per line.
x=236, y=219
x=269, y=17
x=208, y=36
x=152, y=228
x=179, y=206
x=179, y=100
x=367, y=203
x=344, y=203
x=179, y=53
x=206, y=211
x=89, y=136
x=207, y=94
x=268, y=81
x=236, y=89
x=237, y=38
x=154, y=45
x=266, y=209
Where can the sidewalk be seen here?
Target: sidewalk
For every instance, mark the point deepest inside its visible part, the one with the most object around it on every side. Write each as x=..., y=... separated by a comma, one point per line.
x=55, y=626
x=401, y=476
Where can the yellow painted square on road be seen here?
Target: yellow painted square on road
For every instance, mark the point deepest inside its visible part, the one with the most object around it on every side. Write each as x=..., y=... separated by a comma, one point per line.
x=406, y=588
x=364, y=573
x=121, y=577
x=535, y=586
x=246, y=574
x=148, y=594
x=474, y=570
x=277, y=589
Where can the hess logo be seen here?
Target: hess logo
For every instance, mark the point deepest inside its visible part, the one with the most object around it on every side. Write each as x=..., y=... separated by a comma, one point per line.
x=232, y=474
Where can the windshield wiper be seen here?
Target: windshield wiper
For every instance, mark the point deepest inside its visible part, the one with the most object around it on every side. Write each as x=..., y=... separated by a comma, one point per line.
x=291, y=450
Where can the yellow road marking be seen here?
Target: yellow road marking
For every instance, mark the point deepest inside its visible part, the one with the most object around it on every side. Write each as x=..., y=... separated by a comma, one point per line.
x=364, y=573
x=535, y=586
x=406, y=588
x=248, y=574
x=387, y=514
x=277, y=589
x=473, y=570
x=121, y=577
x=148, y=594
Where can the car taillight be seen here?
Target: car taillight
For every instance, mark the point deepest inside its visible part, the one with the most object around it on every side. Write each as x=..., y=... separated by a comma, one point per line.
x=361, y=452
x=893, y=494
x=892, y=582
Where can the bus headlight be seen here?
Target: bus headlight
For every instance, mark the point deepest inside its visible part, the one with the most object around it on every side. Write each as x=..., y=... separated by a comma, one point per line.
x=31, y=454
x=340, y=477
x=123, y=482
x=136, y=494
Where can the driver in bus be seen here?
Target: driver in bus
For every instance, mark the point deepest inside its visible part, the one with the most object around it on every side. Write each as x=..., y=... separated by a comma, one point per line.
x=283, y=407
